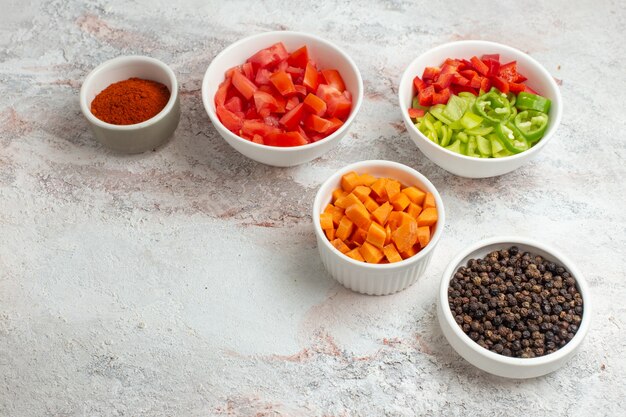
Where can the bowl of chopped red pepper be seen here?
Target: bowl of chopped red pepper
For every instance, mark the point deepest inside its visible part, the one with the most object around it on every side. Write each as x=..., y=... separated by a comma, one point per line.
x=282, y=98
x=479, y=109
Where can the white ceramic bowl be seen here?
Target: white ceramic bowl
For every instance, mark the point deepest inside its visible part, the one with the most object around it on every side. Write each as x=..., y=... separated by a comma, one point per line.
x=465, y=166
x=490, y=361
x=138, y=137
x=325, y=54
x=370, y=278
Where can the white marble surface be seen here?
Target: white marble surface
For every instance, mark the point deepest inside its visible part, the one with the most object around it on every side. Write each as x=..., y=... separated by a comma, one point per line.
x=186, y=281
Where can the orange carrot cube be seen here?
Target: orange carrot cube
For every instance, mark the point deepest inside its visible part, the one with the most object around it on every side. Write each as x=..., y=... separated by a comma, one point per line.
x=391, y=253
x=367, y=179
x=413, y=250
x=388, y=233
x=358, y=237
x=340, y=246
x=400, y=201
x=371, y=253
x=379, y=188
x=376, y=235
x=361, y=192
x=381, y=214
x=330, y=234
x=336, y=212
x=413, y=210
x=423, y=236
x=359, y=215
x=326, y=220
x=429, y=201
x=405, y=235
x=344, y=230
x=356, y=255
x=392, y=187
x=415, y=195
x=349, y=181
x=338, y=193
x=348, y=200
x=428, y=217
x=370, y=204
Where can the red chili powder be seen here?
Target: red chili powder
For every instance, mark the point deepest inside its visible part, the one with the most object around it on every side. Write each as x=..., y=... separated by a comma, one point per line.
x=131, y=101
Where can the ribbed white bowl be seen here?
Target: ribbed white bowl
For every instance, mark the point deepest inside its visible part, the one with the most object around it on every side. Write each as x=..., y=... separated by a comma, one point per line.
x=369, y=278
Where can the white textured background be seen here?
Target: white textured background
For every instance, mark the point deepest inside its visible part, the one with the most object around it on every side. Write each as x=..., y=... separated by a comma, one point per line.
x=186, y=281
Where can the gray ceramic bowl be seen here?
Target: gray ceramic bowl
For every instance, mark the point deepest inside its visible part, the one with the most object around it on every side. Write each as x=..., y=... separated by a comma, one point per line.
x=142, y=136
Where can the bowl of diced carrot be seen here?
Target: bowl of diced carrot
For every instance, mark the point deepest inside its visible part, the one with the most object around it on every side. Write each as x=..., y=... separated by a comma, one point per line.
x=282, y=98
x=377, y=224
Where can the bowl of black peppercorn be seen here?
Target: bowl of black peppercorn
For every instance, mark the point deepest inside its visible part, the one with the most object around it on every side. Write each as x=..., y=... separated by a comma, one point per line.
x=514, y=307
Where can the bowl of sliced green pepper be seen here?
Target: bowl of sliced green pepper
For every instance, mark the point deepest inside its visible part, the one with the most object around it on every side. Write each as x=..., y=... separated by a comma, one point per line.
x=485, y=131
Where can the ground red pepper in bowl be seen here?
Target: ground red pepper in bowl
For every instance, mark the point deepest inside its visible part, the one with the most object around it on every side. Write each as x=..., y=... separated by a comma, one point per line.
x=130, y=101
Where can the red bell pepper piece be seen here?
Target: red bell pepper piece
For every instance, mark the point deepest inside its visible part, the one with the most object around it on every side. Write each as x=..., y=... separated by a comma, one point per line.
x=500, y=84
x=458, y=79
x=299, y=58
x=310, y=80
x=468, y=73
x=415, y=113
x=476, y=81
x=493, y=57
x=444, y=80
x=431, y=73
x=333, y=78
x=425, y=96
x=508, y=72
x=516, y=87
x=418, y=83
x=485, y=84
x=479, y=65
x=293, y=117
x=441, y=97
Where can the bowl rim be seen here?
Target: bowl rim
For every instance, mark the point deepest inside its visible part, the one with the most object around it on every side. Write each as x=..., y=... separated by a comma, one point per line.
x=128, y=59
x=363, y=165
x=544, y=72
x=563, y=352
x=209, y=104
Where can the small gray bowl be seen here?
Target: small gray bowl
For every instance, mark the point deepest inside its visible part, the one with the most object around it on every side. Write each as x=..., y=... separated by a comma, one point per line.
x=138, y=137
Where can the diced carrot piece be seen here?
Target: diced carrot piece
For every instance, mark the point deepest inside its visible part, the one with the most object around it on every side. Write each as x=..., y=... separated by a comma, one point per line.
x=326, y=220
x=340, y=246
x=379, y=188
x=400, y=201
x=391, y=253
x=413, y=250
x=405, y=235
x=362, y=191
x=371, y=253
x=429, y=201
x=423, y=235
x=376, y=235
x=370, y=204
x=356, y=255
x=428, y=217
x=392, y=187
x=349, y=181
x=388, y=233
x=336, y=212
x=367, y=179
x=348, y=200
x=330, y=234
x=394, y=220
x=415, y=195
x=338, y=193
x=359, y=215
x=413, y=210
x=344, y=230
x=358, y=237
x=381, y=214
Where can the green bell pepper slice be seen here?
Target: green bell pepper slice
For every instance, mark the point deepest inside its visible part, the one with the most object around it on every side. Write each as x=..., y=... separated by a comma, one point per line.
x=470, y=120
x=532, y=124
x=511, y=138
x=528, y=101
x=493, y=107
